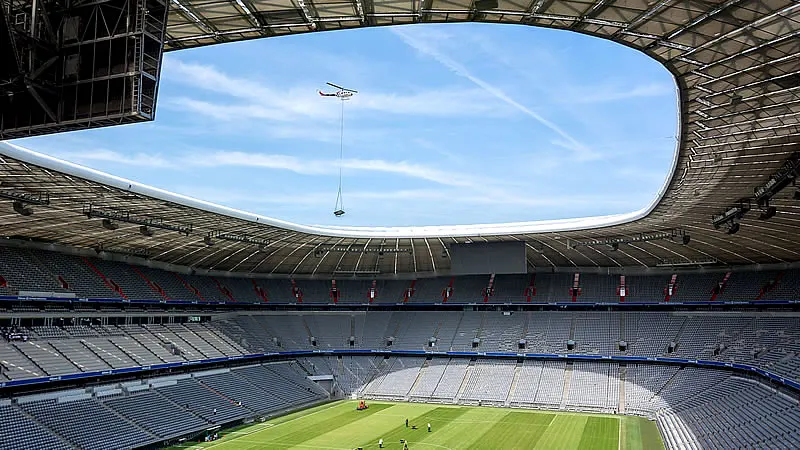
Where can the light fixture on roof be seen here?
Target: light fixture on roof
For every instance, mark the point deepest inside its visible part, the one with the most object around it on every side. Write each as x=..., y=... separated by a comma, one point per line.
x=146, y=232
x=360, y=249
x=21, y=209
x=240, y=237
x=127, y=251
x=784, y=176
x=680, y=262
x=120, y=215
x=796, y=195
x=732, y=215
x=733, y=228
x=22, y=200
x=767, y=212
x=671, y=234
x=109, y=225
x=208, y=241
x=482, y=5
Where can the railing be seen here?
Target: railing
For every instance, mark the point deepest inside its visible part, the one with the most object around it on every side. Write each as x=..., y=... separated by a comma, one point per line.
x=311, y=304
x=743, y=368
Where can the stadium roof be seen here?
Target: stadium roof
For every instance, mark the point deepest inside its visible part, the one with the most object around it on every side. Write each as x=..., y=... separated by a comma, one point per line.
x=737, y=67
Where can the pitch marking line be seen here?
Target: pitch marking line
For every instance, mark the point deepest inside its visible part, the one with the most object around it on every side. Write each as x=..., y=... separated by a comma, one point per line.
x=262, y=427
x=416, y=444
x=290, y=444
x=332, y=405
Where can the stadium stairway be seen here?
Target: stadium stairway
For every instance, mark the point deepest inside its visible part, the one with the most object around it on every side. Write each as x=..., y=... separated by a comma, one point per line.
x=42, y=426
x=514, y=381
x=567, y=382
x=464, y=381
x=121, y=417
x=623, y=374
x=669, y=382
x=420, y=375
x=216, y=392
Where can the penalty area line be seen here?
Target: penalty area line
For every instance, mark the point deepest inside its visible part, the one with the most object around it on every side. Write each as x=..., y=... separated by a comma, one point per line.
x=271, y=426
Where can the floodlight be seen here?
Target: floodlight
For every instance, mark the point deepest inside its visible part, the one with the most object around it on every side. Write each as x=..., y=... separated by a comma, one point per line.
x=208, y=241
x=485, y=4
x=109, y=225
x=120, y=215
x=732, y=214
x=20, y=209
x=733, y=228
x=768, y=213
x=144, y=231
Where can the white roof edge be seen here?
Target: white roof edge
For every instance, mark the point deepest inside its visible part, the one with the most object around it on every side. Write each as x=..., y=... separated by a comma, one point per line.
x=498, y=229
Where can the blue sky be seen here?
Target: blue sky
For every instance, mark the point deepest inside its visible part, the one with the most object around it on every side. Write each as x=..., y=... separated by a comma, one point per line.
x=453, y=124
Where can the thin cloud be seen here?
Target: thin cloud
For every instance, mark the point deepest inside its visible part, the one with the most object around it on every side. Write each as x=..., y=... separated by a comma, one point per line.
x=424, y=47
x=330, y=167
x=495, y=197
x=605, y=94
x=227, y=112
x=298, y=165
x=128, y=159
x=255, y=100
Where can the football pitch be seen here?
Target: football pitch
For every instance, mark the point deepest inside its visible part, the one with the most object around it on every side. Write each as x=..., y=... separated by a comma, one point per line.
x=338, y=426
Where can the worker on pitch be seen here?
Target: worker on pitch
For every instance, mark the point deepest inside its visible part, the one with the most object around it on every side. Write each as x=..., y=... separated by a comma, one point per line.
x=429, y=427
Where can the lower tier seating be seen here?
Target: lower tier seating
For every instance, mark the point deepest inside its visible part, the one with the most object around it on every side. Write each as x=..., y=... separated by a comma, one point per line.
x=133, y=414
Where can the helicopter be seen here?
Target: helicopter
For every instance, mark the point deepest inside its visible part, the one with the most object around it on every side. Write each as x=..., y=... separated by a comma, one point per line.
x=342, y=93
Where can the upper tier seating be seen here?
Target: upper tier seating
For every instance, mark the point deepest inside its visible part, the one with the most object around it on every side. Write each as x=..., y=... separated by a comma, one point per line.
x=770, y=342
x=43, y=271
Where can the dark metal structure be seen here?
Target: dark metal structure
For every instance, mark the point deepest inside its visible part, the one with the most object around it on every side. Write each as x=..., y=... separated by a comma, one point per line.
x=730, y=200
x=72, y=64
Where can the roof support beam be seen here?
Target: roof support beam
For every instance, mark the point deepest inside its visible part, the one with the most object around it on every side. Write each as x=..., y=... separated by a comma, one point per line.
x=302, y=260
x=199, y=20
x=325, y=255
x=433, y=262
x=367, y=11
x=361, y=255
x=644, y=16
x=764, y=45
x=744, y=28
x=540, y=6
x=702, y=18
x=596, y=9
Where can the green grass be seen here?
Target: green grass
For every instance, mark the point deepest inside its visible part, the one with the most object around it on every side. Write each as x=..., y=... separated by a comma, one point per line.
x=338, y=426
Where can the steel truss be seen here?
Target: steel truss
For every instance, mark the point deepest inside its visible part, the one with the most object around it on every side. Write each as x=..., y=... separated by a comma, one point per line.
x=69, y=65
